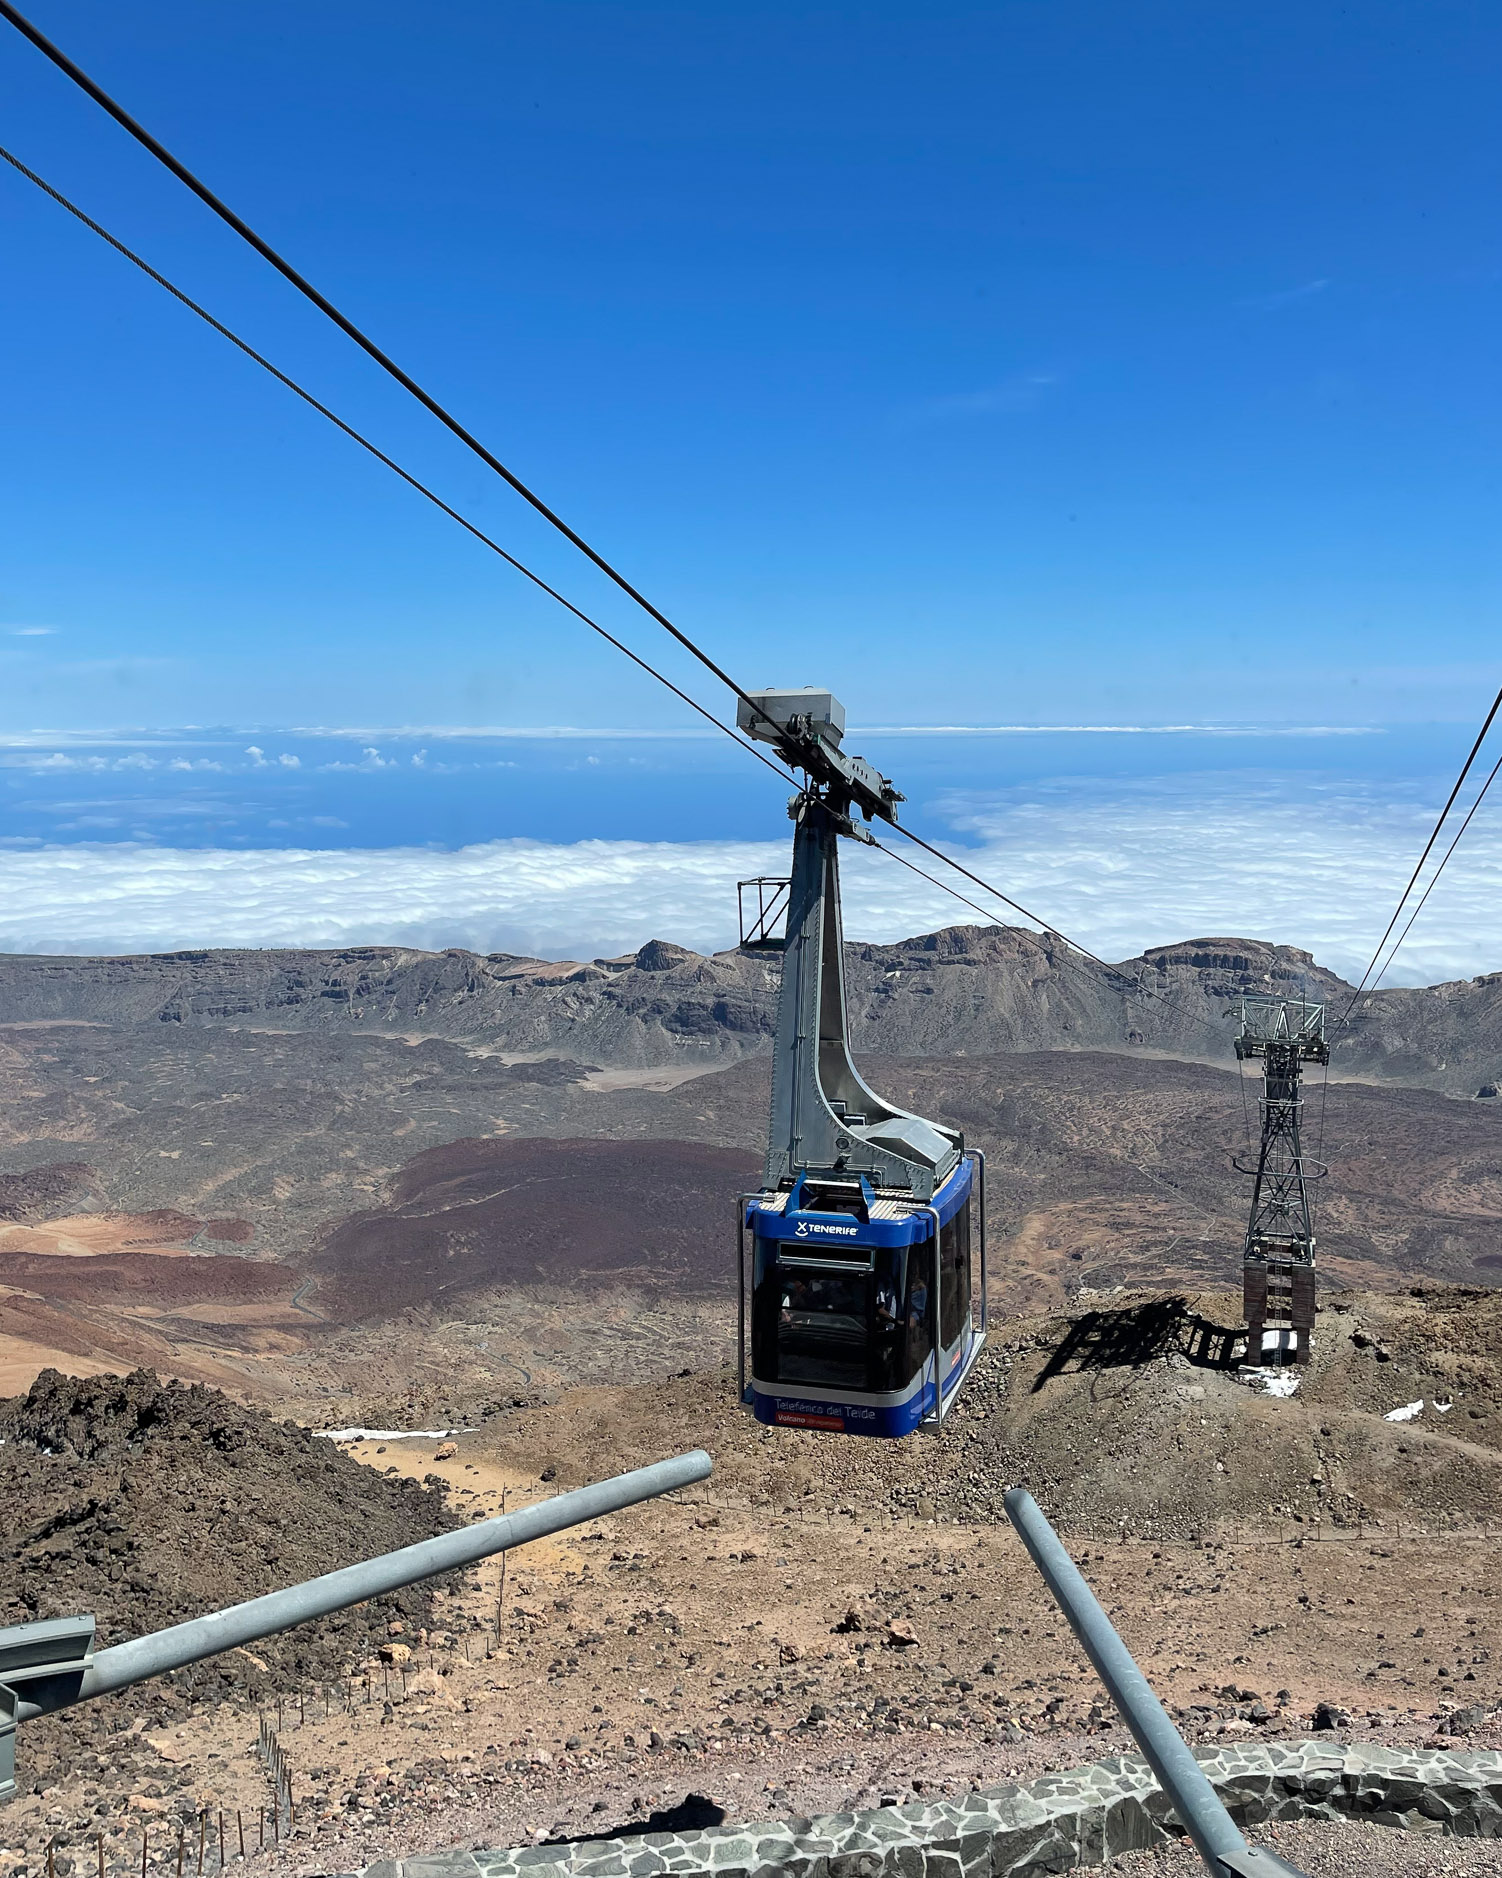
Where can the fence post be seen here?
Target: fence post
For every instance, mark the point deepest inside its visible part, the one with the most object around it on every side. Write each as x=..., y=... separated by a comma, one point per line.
x=500, y=1597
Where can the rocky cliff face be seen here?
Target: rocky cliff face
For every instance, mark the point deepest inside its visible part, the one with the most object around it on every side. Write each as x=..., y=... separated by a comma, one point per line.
x=964, y=990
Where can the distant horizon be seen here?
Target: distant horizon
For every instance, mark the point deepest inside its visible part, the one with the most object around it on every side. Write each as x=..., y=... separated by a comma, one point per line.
x=22, y=739
x=589, y=844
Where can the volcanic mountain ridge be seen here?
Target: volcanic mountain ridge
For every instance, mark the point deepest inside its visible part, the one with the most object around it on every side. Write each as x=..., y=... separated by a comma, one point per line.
x=957, y=991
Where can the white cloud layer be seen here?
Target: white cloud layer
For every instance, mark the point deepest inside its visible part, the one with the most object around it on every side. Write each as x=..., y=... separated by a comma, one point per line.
x=1144, y=868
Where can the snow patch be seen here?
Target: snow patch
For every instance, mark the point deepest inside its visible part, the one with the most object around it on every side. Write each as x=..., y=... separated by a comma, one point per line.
x=1410, y=1409
x=389, y=1434
x=1278, y=1382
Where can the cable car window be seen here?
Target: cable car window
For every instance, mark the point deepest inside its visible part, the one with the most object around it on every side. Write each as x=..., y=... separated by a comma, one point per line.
x=954, y=1262
x=918, y=1311
x=822, y=1327
x=888, y=1343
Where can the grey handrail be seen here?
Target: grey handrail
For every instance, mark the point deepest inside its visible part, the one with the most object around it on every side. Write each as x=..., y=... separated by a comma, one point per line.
x=1215, y=1834
x=164, y=1650
x=985, y=1303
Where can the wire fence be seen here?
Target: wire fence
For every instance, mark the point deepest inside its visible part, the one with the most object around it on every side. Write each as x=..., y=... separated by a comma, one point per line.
x=207, y=1841
x=212, y=1834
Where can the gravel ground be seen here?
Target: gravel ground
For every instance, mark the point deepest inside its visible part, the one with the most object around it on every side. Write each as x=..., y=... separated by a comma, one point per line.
x=1346, y=1850
x=779, y=1643
x=438, y=1806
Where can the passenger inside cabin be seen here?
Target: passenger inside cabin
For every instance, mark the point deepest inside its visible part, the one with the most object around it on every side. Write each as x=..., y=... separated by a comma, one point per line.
x=794, y=1298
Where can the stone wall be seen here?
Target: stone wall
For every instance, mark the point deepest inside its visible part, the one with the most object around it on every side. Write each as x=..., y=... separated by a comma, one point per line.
x=1056, y=1824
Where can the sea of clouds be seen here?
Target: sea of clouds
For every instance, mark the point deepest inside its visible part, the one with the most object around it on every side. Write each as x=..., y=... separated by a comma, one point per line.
x=1119, y=872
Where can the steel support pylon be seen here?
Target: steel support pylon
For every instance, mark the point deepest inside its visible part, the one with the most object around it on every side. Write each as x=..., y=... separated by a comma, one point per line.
x=1278, y=1260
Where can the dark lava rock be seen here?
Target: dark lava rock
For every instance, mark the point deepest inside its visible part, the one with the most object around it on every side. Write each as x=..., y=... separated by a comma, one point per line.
x=146, y=1503
x=45, y=1192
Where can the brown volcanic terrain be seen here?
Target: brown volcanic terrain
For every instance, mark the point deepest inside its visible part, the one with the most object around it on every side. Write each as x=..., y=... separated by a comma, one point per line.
x=144, y=1504
x=1261, y=1556
x=398, y=1190
x=568, y=1217
x=352, y=1201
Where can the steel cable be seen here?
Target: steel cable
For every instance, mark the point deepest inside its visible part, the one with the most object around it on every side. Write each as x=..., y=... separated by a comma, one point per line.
x=479, y=534
x=1428, y=846
x=379, y=454
x=544, y=586
x=347, y=326
x=1111, y=970
x=1434, y=882
x=305, y=287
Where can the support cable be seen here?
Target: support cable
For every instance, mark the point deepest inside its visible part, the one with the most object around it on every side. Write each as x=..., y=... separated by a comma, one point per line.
x=438, y=502
x=1016, y=905
x=965, y=900
x=347, y=326
x=1246, y=1114
x=380, y=455
x=1324, y=1098
x=1418, y=869
x=1112, y=971
x=305, y=287
x=944, y=887
x=1481, y=797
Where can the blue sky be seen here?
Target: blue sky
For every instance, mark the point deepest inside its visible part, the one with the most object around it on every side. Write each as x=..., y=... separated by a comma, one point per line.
x=1020, y=364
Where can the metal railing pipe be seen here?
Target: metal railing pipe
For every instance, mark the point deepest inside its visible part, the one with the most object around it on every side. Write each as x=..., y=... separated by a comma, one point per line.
x=1215, y=1834
x=164, y=1650
x=985, y=1300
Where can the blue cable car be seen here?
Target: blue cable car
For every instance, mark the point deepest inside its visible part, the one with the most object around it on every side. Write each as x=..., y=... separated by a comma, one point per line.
x=859, y=1299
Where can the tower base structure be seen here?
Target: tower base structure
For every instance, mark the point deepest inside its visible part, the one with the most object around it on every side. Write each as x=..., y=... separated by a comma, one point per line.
x=1278, y=1295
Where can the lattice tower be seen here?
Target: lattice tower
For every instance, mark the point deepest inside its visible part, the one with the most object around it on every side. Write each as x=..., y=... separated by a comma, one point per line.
x=1278, y=1261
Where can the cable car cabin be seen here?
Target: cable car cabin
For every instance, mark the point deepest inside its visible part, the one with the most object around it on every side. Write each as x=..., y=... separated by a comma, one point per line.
x=858, y=1293
x=853, y=1329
